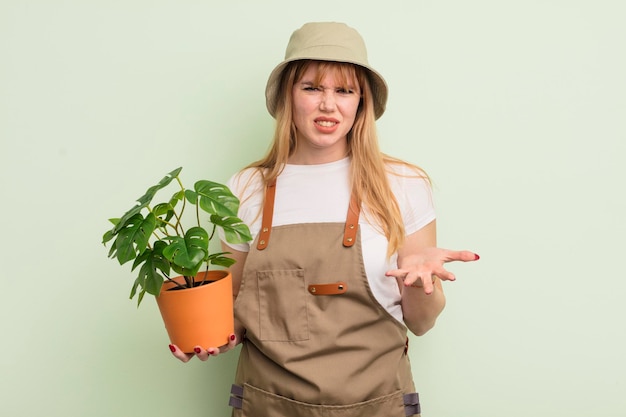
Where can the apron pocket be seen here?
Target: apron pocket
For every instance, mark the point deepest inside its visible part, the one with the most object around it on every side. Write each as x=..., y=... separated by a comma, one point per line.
x=260, y=403
x=283, y=305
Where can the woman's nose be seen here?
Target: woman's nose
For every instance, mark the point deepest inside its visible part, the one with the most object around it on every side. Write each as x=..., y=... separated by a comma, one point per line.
x=328, y=100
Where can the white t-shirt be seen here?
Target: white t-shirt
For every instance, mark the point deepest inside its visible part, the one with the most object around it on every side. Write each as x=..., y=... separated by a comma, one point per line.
x=321, y=193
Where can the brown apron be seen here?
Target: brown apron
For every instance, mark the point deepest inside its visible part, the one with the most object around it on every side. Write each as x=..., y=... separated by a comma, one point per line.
x=317, y=342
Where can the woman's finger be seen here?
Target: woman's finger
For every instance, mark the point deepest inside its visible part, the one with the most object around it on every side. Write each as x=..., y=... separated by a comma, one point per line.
x=427, y=285
x=397, y=273
x=179, y=354
x=232, y=342
x=444, y=274
x=460, y=255
x=201, y=353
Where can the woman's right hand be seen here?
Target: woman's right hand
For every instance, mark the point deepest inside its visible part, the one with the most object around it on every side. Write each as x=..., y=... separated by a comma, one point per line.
x=204, y=354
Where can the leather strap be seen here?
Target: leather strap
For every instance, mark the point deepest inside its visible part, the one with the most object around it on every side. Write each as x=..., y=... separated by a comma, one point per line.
x=236, y=399
x=352, y=223
x=328, y=289
x=412, y=404
x=268, y=214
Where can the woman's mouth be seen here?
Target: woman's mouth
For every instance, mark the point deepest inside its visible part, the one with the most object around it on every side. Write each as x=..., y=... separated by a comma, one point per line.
x=325, y=123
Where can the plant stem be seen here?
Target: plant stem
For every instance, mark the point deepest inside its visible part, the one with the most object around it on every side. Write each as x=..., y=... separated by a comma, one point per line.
x=206, y=273
x=212, y=232
x=198, y=212
x=189, y=281
x=174, y=282
x=179, y=216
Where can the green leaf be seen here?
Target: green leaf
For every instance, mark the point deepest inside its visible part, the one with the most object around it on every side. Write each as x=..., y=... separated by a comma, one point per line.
x=133, y=238
x=141, y=294
x=164, y=213
x=150, y=279
x=133, y=290
x=220, y=260
x=187, y=254
x=191, y=196
x=162, y=209
x=112, y=250
x=216, y=198
x=107, y=236
x=154, y=257
x=235, y=230
x=145, y=199
x=178, y=196
x=153, y=279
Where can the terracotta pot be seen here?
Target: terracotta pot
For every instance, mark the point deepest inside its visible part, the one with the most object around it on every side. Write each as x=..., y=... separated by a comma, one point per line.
x=199, y=316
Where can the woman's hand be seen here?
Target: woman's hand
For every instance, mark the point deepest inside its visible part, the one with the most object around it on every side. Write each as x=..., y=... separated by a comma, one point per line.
x=204, y=354
x=421, y=268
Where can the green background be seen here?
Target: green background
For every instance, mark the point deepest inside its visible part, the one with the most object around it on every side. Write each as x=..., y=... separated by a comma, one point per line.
x=515, y=108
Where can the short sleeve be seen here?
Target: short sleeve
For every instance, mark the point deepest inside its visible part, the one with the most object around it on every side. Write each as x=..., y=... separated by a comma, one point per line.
x=246, y=186
x=415, y=198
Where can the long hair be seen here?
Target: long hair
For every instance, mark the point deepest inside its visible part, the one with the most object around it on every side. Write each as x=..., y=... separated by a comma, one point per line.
x=369, y=166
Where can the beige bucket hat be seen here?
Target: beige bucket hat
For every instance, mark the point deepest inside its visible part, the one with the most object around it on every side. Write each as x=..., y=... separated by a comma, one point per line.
x=327, y=41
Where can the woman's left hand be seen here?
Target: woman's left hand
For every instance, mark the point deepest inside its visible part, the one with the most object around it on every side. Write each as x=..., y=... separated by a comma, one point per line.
x=420, y=269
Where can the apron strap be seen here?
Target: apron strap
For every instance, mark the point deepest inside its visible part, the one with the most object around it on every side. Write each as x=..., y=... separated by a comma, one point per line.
x=268, y=214
x=349, y=233
x=352, y=223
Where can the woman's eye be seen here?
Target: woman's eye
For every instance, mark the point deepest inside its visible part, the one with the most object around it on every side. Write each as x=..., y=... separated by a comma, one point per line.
x=310, y=88
x=345, y=91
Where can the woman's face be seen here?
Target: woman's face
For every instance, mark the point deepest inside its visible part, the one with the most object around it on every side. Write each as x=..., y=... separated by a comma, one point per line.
x=323, y=113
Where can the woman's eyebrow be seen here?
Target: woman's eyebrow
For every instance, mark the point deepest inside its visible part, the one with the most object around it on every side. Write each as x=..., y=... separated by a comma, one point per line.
x=313, y=84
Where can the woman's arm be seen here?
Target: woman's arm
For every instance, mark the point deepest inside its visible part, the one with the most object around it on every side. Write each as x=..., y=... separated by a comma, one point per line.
x=420, y=271
x=237, y=269
x=420, y=309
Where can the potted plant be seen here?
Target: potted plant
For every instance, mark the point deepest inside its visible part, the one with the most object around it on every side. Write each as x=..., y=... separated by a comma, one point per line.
x=154, y=237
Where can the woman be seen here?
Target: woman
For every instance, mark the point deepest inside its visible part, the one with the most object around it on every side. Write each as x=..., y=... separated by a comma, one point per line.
x=344, y=258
